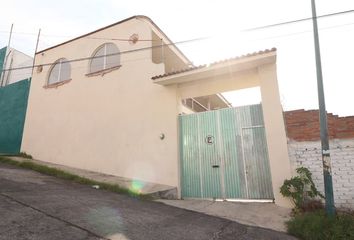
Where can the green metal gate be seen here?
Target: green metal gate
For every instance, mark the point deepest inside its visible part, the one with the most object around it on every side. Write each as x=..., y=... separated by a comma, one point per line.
x=224, y=154
x=13, y=106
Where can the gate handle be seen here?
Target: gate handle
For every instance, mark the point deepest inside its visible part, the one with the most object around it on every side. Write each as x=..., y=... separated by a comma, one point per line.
x=215, y=166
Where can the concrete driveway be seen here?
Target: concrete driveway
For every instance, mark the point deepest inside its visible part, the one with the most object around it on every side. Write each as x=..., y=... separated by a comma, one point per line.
x=36, y=206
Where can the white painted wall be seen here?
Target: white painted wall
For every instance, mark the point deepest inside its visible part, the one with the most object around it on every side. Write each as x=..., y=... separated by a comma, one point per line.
x=16, y=59
x=308, y=154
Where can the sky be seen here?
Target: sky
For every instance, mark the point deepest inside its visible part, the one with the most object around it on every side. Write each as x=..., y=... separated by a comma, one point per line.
x=222, y=24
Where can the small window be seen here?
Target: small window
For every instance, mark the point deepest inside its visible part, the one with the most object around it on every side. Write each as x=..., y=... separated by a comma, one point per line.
x=105, y=57
x=60, y=71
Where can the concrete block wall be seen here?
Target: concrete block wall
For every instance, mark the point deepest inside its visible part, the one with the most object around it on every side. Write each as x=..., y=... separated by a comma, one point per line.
x=305, y=150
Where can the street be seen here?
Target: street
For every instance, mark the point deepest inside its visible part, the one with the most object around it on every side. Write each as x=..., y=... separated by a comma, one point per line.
x=36, y=206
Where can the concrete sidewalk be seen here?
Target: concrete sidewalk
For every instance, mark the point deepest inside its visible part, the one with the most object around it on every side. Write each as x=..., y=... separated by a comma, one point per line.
x=266, y=215
x=153, y=189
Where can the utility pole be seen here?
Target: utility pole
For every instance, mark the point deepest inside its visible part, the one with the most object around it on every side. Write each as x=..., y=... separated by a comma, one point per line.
x=326, y=157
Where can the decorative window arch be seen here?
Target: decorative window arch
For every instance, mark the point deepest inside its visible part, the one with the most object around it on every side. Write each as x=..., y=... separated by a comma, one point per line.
x=60, y=71
x=105, y=57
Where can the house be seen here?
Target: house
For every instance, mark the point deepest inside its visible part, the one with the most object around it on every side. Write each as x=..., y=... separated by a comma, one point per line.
x=118, y=101
x=14, y=66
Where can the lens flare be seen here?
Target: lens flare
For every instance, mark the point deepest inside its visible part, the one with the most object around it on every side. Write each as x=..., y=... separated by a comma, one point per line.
x=137, y=186
x=106, y=220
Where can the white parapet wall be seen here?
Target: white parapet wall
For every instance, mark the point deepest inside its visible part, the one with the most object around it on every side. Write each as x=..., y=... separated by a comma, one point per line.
x=308, y=154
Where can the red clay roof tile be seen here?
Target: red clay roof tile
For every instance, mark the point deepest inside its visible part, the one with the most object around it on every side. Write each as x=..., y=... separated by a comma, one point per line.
x=213, y=64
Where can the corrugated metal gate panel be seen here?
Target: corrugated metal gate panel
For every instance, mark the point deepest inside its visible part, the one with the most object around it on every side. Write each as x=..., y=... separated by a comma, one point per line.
x=210, y=155
x=233, y=164
x=224, y=154
x=257, y=167
x=191, y=166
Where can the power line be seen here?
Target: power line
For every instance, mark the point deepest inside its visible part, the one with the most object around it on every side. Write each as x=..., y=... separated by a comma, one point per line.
x=302, y=32
x=86, y=37
x=296, y=21
x=244, y=30
x=113, y=54
x=257, y=39
x=81, y=66
x=181, y=42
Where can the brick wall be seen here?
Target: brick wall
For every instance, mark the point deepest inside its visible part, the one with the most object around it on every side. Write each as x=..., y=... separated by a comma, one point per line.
x=304, y=125
x=305, y=150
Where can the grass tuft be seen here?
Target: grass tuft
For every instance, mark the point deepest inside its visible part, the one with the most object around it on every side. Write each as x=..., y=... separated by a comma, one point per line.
x=25, y=155
x=318, y=226
x=72, y=177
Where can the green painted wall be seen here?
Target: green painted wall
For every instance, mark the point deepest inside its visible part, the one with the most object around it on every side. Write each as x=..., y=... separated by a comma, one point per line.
x=13, y=105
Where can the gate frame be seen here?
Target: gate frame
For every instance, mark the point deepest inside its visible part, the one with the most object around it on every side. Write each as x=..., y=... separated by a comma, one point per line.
x=220, y=152
x=253, y=70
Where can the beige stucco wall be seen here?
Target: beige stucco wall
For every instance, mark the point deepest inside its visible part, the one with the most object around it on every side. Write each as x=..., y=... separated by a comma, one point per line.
x=161, y=52
x=275, y=131
x=219, y=84
x=109, y=123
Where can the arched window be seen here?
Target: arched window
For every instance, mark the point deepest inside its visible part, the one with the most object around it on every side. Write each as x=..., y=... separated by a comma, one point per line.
x=105, y=57
x=60, y=71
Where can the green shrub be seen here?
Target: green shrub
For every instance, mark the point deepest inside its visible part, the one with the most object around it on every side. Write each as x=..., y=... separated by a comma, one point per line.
x=302, y=190
x=318, y=226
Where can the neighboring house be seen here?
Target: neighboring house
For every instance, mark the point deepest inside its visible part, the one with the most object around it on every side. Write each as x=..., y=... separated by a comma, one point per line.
x=14, y=66
x=115, y=101
x=15, y=73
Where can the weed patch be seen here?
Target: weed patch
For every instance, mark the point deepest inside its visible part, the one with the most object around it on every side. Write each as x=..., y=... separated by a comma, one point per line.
x=72, y=177
x=318, y=226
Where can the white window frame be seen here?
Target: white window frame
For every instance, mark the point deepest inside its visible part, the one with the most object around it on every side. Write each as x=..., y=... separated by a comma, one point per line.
x=60, y=62
x=104, y=56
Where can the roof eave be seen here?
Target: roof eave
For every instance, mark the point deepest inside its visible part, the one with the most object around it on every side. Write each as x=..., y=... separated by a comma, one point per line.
x=226, y=67
x=87, y=34
x=170, y=43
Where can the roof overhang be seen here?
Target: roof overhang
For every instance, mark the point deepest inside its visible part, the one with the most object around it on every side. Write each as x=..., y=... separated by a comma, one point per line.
x=243, y=63
x=146, y=19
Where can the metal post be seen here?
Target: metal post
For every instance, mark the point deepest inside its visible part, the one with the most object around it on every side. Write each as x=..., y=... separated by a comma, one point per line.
x=35, y=51
x=326, y=158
